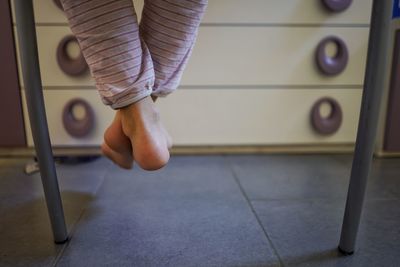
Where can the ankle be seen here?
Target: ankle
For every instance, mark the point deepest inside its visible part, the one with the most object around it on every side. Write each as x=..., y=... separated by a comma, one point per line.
x=139, y=114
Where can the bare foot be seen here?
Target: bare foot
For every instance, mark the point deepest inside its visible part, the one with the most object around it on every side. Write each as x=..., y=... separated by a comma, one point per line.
x=118, y=158
x=117, y=145
x=142, y=125
x=137, y=134
x=167, y=136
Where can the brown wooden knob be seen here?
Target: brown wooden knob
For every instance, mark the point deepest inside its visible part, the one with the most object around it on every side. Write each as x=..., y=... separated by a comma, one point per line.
x=331, y=123
x=332, y=65
x=78, y=127
x=70, y=66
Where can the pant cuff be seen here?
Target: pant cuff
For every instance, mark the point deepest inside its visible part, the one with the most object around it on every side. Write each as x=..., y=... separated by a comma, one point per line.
x=131, y=100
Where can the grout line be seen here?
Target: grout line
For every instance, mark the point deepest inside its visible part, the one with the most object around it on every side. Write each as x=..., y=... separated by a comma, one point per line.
x=235, y=177
x=74, y=225
x=337, y=198
x=300, y=199
x=72, y=230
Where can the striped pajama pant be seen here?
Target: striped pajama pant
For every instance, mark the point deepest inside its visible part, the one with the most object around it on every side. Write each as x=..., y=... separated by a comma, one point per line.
x=130, y=61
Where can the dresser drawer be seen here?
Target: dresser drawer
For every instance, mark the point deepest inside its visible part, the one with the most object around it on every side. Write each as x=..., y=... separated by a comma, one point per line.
x=285, y=12
x=55, y=103
x=271, y=56
x=219, y=116
x=251, y=11
x=238, y=56
x=255, y=116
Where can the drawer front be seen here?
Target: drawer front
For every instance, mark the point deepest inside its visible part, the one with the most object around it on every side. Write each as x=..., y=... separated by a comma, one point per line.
x=285, y=12
x=251, y=11
x=238, y=56
x=55, y=102
x=255, y=116
x=271, y=56
x=220, y=116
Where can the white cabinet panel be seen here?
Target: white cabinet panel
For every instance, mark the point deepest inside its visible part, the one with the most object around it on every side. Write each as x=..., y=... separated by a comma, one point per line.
x=238, y=56
x=219, y=116
x=250, y=11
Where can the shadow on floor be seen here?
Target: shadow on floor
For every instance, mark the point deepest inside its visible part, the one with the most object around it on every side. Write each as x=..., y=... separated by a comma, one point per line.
x=26, y=237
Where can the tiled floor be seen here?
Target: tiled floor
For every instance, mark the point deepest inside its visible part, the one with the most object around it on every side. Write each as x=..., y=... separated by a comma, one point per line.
x=201, y=211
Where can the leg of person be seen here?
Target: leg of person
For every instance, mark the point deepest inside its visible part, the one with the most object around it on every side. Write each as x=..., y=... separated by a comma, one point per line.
x=169, y=29
x=121, y=65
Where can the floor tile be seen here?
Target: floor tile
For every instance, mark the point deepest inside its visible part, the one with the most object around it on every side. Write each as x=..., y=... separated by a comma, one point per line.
x=385, y=177
x=25, y=233
x=191, y=213
x=310, y=176
x=306, y=232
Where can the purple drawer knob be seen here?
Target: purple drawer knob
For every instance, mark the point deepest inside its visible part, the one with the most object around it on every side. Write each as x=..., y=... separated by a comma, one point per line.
x=58, y=4
x=78, y=127
x=337, y=5
x=70, y=66
x=330, y=124
x=329, y=65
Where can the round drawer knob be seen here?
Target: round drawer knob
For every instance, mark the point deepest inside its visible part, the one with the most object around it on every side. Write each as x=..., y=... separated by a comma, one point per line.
x=70, y=66
x=329, y=124
x=78, y=126
x=332, y=65
x=58, y=4
x=337, y=5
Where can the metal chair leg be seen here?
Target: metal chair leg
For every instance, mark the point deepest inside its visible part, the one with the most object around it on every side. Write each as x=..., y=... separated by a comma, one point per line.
x=373, y=84
x=37, y=116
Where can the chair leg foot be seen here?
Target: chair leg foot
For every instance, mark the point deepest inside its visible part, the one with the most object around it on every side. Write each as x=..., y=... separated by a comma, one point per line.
x=345, y=253
x=62, y=241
